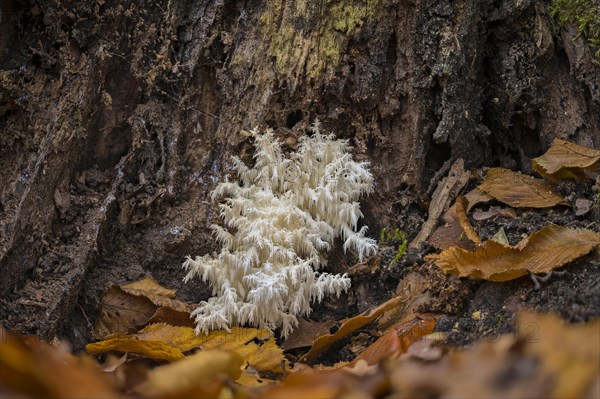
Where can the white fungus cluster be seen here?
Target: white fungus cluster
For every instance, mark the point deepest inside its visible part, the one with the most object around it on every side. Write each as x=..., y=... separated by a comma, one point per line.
x=280, y=218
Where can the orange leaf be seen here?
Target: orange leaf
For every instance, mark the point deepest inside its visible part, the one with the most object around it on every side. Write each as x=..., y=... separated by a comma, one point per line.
x=397, y=340
x=567, y=160
x=461, y=204
x=33, y=368
x=570, y=352
x=322, y=343
x=545, y=250
x=518, y=190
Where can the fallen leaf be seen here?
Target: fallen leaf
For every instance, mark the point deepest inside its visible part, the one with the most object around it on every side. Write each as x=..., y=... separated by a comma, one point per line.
x=127, y=308
x=156, y=350
x=565, y=160
x=582, y=206
x=545, y=250
x=169, y=343
x=397, y=340
x=322, y=343
x=460, y=207
x=309, y=383
x=571, y=353
x=494, y=212
x=500, y=237
x=34, y=368
x=195, y=376
x=157, y=294
x=518, y=190
x=306, y=332
x=457, y=230
x=121, y=313
x=476, y=196
x=170, y=316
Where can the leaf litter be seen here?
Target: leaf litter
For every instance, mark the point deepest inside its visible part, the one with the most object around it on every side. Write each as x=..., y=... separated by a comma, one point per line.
x=150, y=348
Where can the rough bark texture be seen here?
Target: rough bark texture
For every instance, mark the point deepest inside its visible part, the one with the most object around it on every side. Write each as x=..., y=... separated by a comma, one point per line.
x=117, y=119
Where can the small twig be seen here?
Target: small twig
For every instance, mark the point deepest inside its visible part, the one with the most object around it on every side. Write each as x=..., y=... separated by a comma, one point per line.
x=537, y=280
x=85, y=315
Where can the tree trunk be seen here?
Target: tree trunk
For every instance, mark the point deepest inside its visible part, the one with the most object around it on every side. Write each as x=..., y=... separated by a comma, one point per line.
x=118, y=118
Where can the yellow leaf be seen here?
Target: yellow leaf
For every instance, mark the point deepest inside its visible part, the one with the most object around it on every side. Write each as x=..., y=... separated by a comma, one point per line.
x=156, y=350
x=570, y=353
x=187, y=377
x=167, y=342
x=159, y=295
x=518, y=190
x=566, y=160
x=545, y=250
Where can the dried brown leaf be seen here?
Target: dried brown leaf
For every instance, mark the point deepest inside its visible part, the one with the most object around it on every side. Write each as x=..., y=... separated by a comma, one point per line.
x=397, y=340
x=169, y=343
x=460, y=207
x=565, y=160
x=548, y=358
x=476, y=196
x=545, y=250
x=195, y=376
x=518, y=190
x=122, y=312
x=306, y=333
x=494, y=212
x=457, y=230
x=33, y=368
x=571, y=353
x=157, y=294
x=126, y=308
x=322, y=343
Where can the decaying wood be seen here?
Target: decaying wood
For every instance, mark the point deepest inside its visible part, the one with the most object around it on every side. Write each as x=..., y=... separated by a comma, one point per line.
x=442, y=198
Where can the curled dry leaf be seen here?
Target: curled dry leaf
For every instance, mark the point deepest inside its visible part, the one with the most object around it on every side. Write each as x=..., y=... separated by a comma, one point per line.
x=33, y=368
x=195, y=376
x=565, y=160
x=518, y=190
x=126, y=308
x=461, y=206
x=321, y=344
x=121, y=313
x=397, y=340
x=169, y=343
x=457, y=230
x=157, y=294
x=494, y=212
x=545, y=250
x=548, y=358
x=306, y=333
x=570, y=353
x=476, y=196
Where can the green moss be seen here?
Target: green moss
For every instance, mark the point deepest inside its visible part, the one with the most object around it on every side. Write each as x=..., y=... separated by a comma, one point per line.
x=314, y=35
x=397, y=238
x=585, y=14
